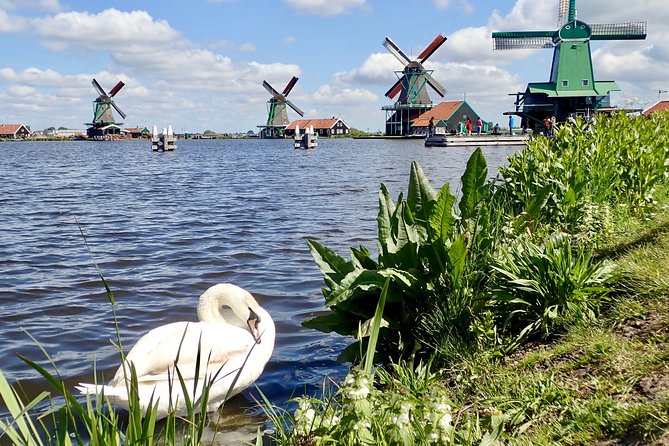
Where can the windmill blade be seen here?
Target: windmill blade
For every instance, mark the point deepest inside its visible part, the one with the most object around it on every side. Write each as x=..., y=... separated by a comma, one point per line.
x=289, y=86
x=98, y=88
x=396, y=51
x=619, y=31
x=566, y=12
x=396, y=88
x=116, y=107
x=441, y=91
x=294, y=107
x=510, y=40
x=431, y=48
x=116, y=89
x=270, y=89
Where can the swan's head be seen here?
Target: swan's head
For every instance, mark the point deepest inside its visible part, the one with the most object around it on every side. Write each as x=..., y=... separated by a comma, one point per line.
x=233, y=305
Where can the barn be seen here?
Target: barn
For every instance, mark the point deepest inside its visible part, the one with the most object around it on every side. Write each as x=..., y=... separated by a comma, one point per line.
x=323, y=127
x=661, y=106
x=14, y=131
x=449, y=116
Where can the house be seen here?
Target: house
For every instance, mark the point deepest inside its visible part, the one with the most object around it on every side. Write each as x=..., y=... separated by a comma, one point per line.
x=138, y=132
x=448, y=117
x=323, y=127
x=14, y=131
x=661, y=106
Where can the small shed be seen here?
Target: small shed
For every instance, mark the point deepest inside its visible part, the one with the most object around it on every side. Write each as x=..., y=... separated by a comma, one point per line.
x=323, y=127
x=449, y=115
x=14, y=131
x=661, y=106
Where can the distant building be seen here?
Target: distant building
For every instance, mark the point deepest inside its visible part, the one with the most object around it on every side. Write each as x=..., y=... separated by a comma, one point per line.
x=661, y=106
x=323, y=127
x=137, y=132
x=69, y=133
x=14, y=131
x=448, y=117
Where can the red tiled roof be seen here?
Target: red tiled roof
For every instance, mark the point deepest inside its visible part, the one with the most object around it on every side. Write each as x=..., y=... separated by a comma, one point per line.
x=661, y=106
x=317, y=123
x=10, y=129
x=443, y=111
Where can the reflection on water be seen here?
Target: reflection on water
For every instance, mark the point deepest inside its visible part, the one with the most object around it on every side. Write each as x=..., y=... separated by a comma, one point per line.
x=163, y=227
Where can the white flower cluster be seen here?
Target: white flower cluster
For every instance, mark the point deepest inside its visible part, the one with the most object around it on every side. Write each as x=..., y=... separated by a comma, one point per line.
x=304, y=417
x=440, y=420
x=356, y=386
x=308, y=419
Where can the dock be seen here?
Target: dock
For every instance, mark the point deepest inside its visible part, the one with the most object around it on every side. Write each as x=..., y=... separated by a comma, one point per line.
x=306, y=140
x=166, y=141
x=475, y=141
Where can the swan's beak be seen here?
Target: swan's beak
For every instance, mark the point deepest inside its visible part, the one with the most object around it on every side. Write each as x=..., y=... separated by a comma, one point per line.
x=252, y=323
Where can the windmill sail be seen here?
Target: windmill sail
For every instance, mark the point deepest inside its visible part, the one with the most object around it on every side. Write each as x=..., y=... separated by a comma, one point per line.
x=619, y=31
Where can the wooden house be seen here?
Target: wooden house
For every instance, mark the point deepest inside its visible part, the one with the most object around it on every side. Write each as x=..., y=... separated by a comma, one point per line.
x=322, y=127
x=138, y=132
x=661, y=106
x=448, y=117
x=14, y=131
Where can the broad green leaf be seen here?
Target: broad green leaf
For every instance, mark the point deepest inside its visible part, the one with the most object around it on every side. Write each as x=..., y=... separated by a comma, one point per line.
x=538, y=201
x=421, y=195
x=331, y=264
x=384, y=219
x=456, y=255
x=442, y=219
x=353, y=280
x=473, y=183
x=338, y=322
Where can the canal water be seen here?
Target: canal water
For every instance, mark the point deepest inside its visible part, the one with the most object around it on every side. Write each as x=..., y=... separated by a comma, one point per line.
x=163, y=227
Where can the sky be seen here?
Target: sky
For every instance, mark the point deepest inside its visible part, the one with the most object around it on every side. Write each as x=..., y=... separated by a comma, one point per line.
x=199, y=64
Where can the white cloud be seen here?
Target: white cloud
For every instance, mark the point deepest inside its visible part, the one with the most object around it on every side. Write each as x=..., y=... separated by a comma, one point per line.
x=326, y=7
x=247, y=47
x=107, y=30
x=11, y=23
x=328, y=95
x=377, y=69
x=289, y=40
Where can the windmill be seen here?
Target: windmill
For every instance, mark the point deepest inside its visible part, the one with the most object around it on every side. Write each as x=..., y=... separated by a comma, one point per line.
x=411, y=86
x=572, y=89
x=277, y=118
x=104, y=124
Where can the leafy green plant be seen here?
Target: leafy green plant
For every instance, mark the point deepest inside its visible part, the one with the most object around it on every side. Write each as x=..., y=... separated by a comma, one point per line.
x=587, y=168
x=539, y=287
x=425, y=251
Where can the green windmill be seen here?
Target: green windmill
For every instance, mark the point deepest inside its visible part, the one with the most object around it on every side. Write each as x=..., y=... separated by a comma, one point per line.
x=277, y=115
x=572, y=89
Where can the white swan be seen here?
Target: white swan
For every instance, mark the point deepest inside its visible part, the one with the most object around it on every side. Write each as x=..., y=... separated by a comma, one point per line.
x=233, y=329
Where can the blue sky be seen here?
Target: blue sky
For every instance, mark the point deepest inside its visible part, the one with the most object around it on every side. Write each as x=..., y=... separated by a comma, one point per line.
x=199, y=64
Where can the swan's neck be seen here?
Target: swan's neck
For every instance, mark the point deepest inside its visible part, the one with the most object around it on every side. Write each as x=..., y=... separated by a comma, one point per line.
x=208, y=310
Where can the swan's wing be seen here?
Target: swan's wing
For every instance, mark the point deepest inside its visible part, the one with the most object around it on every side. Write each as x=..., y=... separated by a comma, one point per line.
x=155, y=353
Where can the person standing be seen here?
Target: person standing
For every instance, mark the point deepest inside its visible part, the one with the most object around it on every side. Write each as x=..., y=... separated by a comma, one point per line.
x=430, y=127
x=511, y=123
x=468, y=126
x=479, y=126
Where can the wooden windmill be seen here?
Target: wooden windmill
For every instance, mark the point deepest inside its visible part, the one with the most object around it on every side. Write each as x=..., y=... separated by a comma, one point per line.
x=277, y=118
x=572, y=89
x=104, y=125
x=411, y=86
